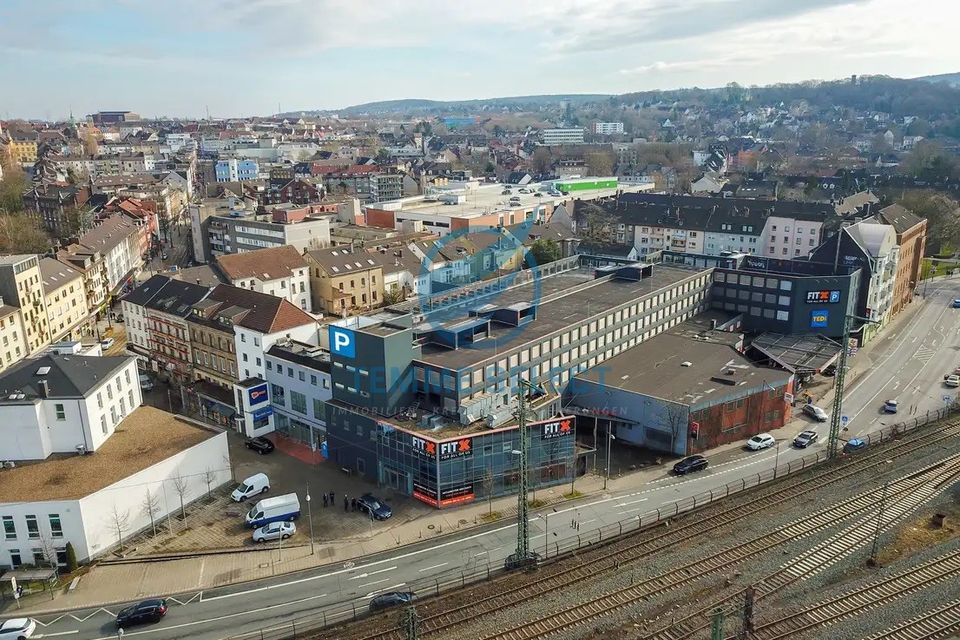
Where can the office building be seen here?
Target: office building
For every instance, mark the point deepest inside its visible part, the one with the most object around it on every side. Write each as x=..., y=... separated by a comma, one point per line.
x=554, y=137
x=607, y=128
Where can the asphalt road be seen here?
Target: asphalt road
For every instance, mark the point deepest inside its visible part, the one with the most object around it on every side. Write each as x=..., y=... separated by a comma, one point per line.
x=909, y=366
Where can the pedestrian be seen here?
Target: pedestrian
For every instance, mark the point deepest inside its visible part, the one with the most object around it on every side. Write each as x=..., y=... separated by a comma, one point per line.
x=332, y=496
x=346, y=504
x=353, y=504
x=324, y=500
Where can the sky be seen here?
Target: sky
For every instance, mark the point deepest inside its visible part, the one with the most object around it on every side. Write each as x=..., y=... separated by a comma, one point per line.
x=179, y=58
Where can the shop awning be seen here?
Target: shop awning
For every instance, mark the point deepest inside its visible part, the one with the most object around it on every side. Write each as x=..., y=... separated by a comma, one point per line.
x=801, y=354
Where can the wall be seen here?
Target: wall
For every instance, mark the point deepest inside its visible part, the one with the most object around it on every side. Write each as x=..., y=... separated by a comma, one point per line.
x=71, y=523
x=23, y=438
x=128, y=495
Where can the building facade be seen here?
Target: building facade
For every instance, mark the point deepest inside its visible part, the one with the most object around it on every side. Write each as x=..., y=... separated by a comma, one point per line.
x=234, y=170
x=299, y=379
x=912, y=242
x=21, y=285
x=344, y=281
x=13, y=344
x=278, y=271
x=607, y=128
x=65, y=298
x=554, y=137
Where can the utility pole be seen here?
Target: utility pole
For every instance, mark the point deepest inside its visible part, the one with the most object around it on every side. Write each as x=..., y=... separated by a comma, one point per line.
x=716, y=631
x=876, y=533
x=746, y=629
x=838, y=389
x=522, y=557
x=410, y=623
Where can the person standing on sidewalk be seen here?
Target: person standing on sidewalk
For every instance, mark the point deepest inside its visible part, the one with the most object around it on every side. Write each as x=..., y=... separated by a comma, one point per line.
x=346, y=503
x=324, y=500
x=332, y=501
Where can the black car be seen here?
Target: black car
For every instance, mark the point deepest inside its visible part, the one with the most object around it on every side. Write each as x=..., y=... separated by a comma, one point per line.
x=261, y=445
x=689, y=465
x=368, y=503
x=392, y=599
x=804, y=439
x=146, y=611
x=830, y=370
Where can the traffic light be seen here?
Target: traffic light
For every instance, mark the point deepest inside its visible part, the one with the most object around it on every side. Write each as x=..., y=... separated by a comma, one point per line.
x=694, y=430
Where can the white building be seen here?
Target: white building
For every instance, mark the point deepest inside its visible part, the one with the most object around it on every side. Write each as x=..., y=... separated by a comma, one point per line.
x=790, y=237
x=117, y=239
x=607, y=128
x=299, y=379
x=93, y=501
x=133, y=306
x=552, y=137
x=279, y=271
x=65, y=404
x=879, y=243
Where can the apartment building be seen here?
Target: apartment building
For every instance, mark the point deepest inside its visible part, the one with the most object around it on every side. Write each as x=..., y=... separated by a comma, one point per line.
x=278, y=271
x=93, y=268
x=212, y=341
x=554, y=137
x=21, y=285
x=13, y=344
x=117, y=239
x=169, y=334
x=65, y=299
x=57, y=207
x=24, y=144
x=607, y=128
x=345, y=281
x=367, y=183
x=234, y=170
x=912, y=242
x=228, y=235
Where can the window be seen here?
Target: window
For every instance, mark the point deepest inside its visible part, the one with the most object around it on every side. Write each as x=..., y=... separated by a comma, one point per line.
x=56, y=529
x=318, y=408
x=15, y=560
x=269, y=365
x=298, y=402
x=243, y=337
x=289, y=372
x=103, y=424
x=245, y=358
x=783, y=315
x=313, y=379
x=130, y=397
x=256, y=341
x=301, y=375
x=278, y=394
x=258, y=362
x=9, y=528
x=279, y=368
x=33, y=529
x=61, y=412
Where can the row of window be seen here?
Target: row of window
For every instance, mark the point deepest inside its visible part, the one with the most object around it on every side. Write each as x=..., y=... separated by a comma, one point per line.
x=298, y=401
x=32, y=527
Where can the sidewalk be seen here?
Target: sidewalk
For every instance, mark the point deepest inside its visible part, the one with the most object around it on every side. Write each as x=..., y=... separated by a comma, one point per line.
x=111, y=582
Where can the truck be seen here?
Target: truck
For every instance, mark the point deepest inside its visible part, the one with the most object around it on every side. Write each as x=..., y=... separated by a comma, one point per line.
x=452, y=198
x=275, y=509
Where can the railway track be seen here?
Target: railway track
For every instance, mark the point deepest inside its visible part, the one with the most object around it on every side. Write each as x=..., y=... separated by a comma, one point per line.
x=863, y=599
x=820, y=557
x=908, y=493
x=943, y=622
x=613, y=555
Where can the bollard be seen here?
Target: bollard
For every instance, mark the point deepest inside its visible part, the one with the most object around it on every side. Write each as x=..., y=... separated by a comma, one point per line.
x=293, y=624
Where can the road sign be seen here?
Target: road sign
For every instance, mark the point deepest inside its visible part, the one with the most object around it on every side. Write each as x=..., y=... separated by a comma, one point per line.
x=788, y=397
x=844, y=419
x=13, y=586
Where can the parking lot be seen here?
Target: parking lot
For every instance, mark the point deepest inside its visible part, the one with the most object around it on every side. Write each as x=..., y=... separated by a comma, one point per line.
x=217, y=522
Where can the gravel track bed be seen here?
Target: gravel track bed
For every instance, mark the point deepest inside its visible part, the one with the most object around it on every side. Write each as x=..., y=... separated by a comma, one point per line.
x=628, y=623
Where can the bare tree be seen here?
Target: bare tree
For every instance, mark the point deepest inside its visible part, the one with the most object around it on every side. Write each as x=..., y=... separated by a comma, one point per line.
x=209, y=476
x=180, y=485
x=227, y=465
x=541, y=161
x=675, y=417
x=120, y=523
x=487, y=482
x=151, y=506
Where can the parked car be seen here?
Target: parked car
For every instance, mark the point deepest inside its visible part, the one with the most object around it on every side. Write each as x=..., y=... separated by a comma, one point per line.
x=815, y=412
x=804, y=439
x=274, y=531
x=689, y=465
x=830, y=370
x=146, y=383
x=890, y=406
x=761, y=441
x=854, y=444
x=554, y=193
x=952, y=380
x=259, y=444
x=106, y=343
x=17, y=628
x=164, y=256
x=146, y=611
x=537, y=195
x=368, y=503
x=956, y=303
x=253, y=486
x=392, y=599
x=523, y=190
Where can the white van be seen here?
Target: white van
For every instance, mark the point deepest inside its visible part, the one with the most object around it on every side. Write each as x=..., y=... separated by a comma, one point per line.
x=285, y=507
x=253, y=486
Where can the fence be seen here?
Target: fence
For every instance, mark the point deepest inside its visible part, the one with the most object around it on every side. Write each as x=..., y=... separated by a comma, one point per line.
x=474, y=572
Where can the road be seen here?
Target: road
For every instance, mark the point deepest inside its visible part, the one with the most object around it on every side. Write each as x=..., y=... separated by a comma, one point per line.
x=910, y=364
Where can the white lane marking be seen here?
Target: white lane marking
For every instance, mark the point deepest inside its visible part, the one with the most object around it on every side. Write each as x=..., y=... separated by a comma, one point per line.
x=627, y=504
x=59, y=633
x=588, y=521
x=215, y=619
x=370, y=584
x=482, y=553
x=371, y=573
x=373, y=593
x=436, y=566
x=628, y=511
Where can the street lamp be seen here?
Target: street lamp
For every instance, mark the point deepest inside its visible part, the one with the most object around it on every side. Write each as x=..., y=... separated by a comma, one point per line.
x=776, y=462
x=610, y=438
x=310, y=518
x=838, y=383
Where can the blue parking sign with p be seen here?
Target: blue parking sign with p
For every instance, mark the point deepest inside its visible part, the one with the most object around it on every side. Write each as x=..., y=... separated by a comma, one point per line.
x=342, y=342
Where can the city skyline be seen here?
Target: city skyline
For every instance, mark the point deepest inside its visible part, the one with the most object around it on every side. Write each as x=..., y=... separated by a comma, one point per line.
x=251, y=58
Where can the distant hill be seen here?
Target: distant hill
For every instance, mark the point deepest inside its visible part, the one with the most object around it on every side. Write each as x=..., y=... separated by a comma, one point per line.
x=419, y=106
x=951, y=79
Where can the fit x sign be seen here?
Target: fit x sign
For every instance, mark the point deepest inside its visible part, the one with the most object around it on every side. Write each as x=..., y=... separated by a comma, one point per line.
x=423, y=447
x=556, y=428
x=456, y=449
x=343, y=342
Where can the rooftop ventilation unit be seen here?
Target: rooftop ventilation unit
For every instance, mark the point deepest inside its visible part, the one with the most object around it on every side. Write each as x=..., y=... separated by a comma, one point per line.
x=686, y=363
x=42, y=371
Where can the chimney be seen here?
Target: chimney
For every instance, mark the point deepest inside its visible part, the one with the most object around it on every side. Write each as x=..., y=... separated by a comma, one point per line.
x=44, y=389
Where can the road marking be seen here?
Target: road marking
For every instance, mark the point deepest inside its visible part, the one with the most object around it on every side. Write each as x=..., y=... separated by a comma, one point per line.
x=436, y=566
x=59, y=633
x=370, y=584
x=215, y=619
x=626, y=504
x=365, y=575
x=373, y=593
x=627, y=511
x=482, y=553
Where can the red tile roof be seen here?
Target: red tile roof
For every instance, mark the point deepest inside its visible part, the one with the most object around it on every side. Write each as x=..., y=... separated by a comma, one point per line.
x=262, y=264
x=266, y=313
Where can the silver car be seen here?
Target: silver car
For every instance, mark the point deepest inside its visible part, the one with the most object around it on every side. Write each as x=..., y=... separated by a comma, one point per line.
x=815, y=412
x=274, y=531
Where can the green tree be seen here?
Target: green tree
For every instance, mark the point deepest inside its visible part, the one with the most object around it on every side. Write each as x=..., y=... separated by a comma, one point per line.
x=71, y=558
x=19, y=233
x=928, y=161
x=544, y=251
x=489, y=167
x=942, y=214
x=12, y=187
x=382, y=157
x=600, y=163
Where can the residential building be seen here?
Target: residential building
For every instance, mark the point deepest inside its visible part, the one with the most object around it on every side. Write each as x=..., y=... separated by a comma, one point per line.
x=279, y=271
x=73, y=498
x=212, y=341
x=58, y=207
x=554, y=137
x=65, y=404
x=607, y=128
x=169, y=334
x=21, y=285
x=13, y=343
x=228, y=235
x=912, y=242
x=65, y=299
x=135, y=319
x=24, y=144
x=294, y=190
x=367, y=182
x=92, y=266
x=234, y=170
x=299, y=379
x=117, y=239
x=102, y=118
x=345, y=281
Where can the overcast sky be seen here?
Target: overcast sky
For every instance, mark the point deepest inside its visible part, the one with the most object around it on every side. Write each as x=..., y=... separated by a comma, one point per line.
x=247, y=57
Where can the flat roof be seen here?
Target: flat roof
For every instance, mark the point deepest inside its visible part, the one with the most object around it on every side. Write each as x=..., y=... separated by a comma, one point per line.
x=488, y=199
x=656, y=368
x=562, y=304
x=798, y=353
x=144, y=438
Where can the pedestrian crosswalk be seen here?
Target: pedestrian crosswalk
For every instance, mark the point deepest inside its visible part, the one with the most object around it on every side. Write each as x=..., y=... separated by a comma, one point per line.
x=924, y=354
